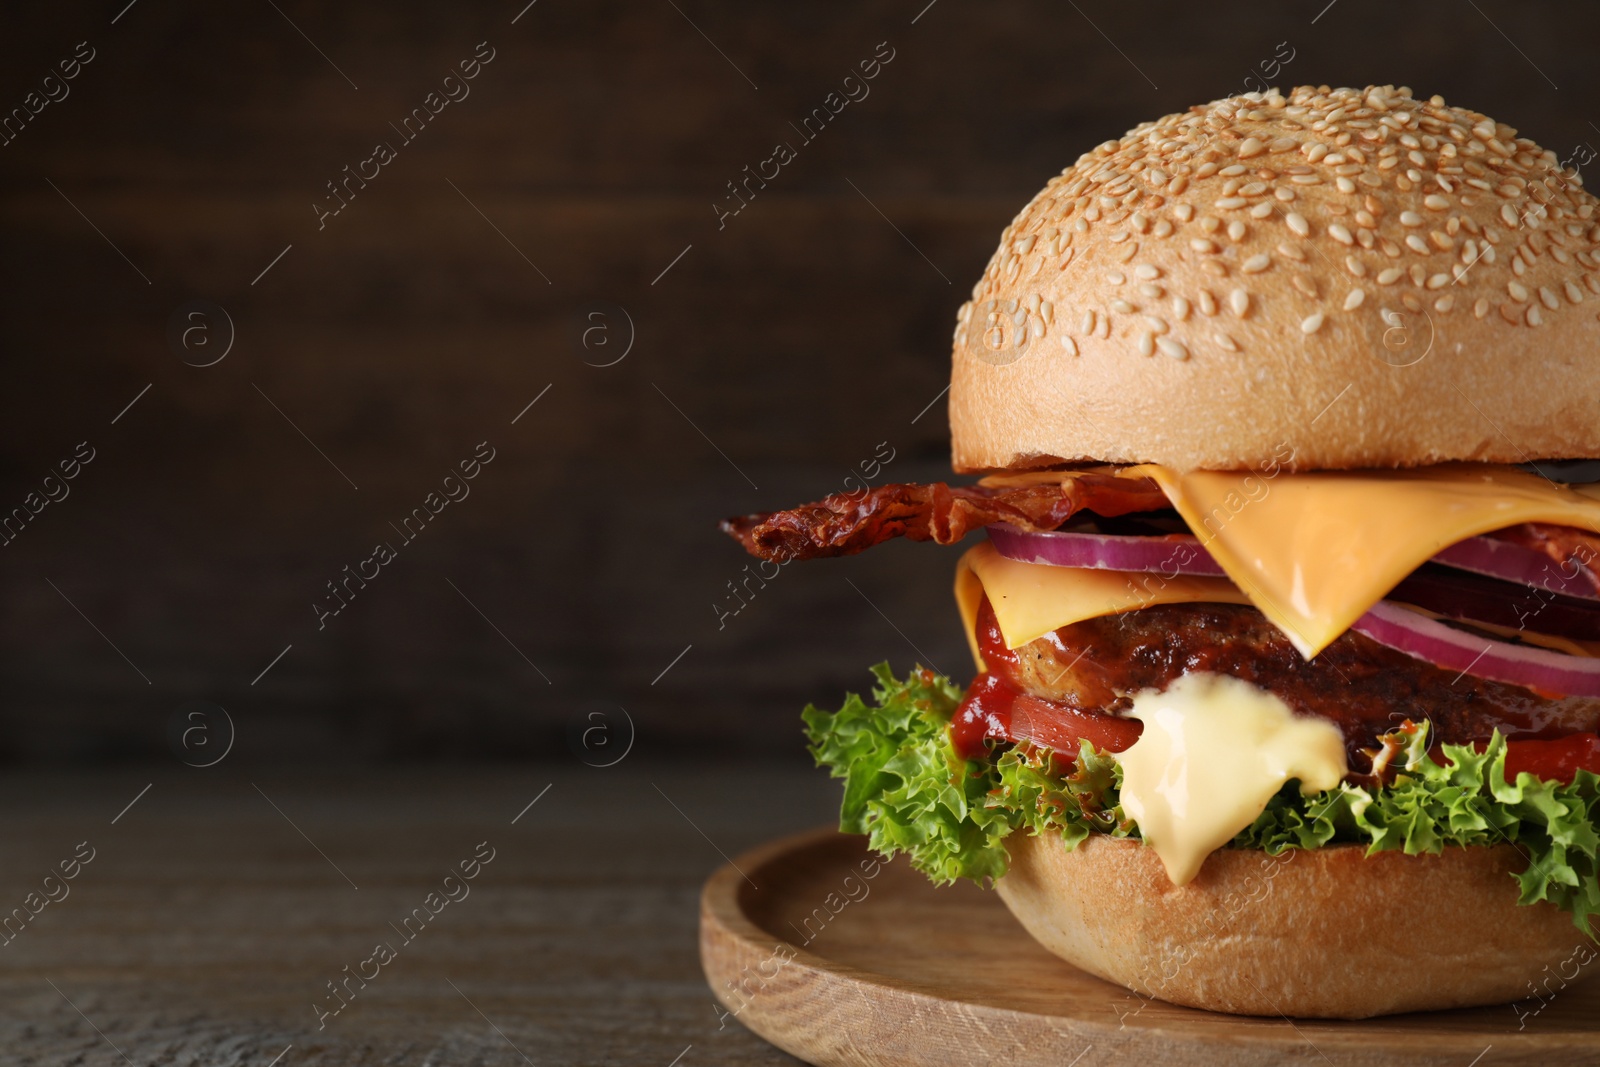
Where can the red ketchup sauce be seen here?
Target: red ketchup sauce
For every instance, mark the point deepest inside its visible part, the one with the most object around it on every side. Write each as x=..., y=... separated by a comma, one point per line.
x=995, y=710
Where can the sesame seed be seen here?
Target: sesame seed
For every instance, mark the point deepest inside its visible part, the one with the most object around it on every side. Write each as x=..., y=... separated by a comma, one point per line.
x=1162, y=228
x=1239, y=301
x=1533, y=318
x=1434, y=202
x=1355, y=298
x=1180, y=308
x=1345, y=185
x=1339, y=233
x=1230, y=203
x=1147, y=271
x=1481, y=308
x=1147, y=343
x=1355, y=266
x=1284, y=193
x=1593, y=282
x=1517, y=290
x=1261, y=211
x=1202, y=244
x=1208, y=303
x=1234, y=170
x=1548, y=299
x=1444, y=303
x=1416, y=243
x=1116, y=277
x=1297, y=222
x=1236, y=230
x=1311, y=323
x=1185, y=212
x=1256, y=264
x=1151, y=291
x=1155, y=322
x=1509, y=216
x=1251, y=147
x=1226, y=343
x=1172, y=348
x=1511, y=313
x=1438, y=281
x=1087, y=325
x=1254, y=189
x=1069, y=345
x=1389, y=277
x=1289, y=251
x=1122, y=307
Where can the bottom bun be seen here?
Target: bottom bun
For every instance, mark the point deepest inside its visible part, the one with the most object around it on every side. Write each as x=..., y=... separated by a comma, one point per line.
x=1328, y=933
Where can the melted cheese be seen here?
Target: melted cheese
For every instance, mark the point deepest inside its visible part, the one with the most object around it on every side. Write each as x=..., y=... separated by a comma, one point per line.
x=1314, y=551
x=1032, y=599
x=1214, y=750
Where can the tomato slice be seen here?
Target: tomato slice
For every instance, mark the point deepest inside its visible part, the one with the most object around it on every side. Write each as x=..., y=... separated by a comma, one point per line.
x=994, y=710
x=1556, y=760
x=1060, y=728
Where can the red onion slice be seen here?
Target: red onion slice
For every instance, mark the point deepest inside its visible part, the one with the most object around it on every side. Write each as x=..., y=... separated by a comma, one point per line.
x=1176, y=554
x=1444, y=646
x=1181, y=554
x=1514, y=563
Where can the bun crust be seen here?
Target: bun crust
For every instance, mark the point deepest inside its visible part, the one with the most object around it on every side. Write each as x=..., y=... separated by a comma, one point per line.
x=1366, y=279
x=1326, y=933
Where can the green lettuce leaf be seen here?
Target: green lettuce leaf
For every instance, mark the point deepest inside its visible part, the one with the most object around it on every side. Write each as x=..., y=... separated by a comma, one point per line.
x=908, y=790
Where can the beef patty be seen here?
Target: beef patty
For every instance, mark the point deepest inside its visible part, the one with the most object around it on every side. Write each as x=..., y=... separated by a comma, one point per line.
x=1365, y=688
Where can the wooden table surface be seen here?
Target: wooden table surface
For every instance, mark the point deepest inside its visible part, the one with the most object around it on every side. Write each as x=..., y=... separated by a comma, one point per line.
x=216, y=910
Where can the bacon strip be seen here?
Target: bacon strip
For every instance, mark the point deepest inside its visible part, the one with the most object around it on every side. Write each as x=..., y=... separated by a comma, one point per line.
x=846, y=523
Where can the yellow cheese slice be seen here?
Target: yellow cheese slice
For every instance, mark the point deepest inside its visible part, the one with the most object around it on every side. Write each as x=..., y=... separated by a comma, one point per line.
x=1315, y=550
x=1213, y=751
x=1032, y=599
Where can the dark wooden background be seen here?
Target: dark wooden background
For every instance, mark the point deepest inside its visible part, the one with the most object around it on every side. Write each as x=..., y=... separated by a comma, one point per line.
x=812, y=327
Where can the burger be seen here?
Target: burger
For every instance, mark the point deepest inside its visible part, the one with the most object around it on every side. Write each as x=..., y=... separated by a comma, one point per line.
x=1283, y=604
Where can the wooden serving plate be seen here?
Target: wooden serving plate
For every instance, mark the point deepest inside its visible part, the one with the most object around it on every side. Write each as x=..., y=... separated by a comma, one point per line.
x=840, y=958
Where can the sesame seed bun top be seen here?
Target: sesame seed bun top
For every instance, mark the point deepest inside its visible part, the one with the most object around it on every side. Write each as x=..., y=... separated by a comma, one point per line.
x=1365, y=278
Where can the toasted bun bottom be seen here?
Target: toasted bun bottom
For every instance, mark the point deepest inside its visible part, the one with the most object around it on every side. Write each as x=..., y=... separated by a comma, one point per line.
x=1326, y=933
